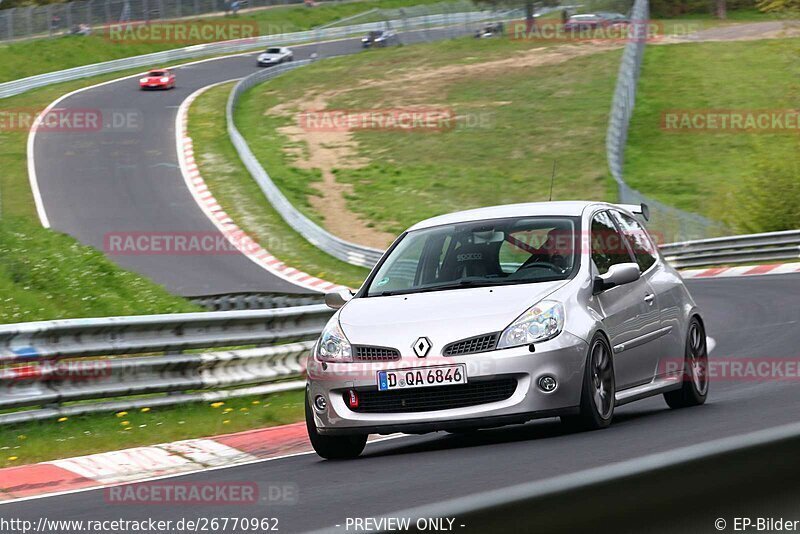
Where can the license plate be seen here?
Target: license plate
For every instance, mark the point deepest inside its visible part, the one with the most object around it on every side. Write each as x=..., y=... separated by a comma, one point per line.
x=422, y=377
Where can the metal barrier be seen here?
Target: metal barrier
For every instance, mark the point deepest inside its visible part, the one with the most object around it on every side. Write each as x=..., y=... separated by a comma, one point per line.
x=111, y=359
x=255, y=301
x=346, y=251
x=754, y=475
x=43, y=364
x=665, y=219
x=219, y=48
x=343, y=250
x=30, y=22
x=775, y=246
x=58, y=19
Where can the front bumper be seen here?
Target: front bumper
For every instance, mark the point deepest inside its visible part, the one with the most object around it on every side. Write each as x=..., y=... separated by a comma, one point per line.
x=563, y=358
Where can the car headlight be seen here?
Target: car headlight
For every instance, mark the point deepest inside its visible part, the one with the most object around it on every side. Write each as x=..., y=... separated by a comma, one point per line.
x=333, y=345
x=539, y=323
x=164, y=80
x=142, y=80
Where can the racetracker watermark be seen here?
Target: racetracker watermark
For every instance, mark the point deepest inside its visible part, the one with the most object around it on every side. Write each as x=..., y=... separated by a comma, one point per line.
x=731, y=120
x=71, y=120
x=203, y=493
x=417, y=119
x=739, y=369
x=189, y=32
x=57, y=371
x=617, y=32
x=178, y=243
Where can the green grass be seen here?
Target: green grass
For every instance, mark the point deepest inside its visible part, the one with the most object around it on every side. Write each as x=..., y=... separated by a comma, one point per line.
x=241, y=197
x=535, y=115
x=704, y=172
x=46, y=275
x=27, y=58
x=49, y=440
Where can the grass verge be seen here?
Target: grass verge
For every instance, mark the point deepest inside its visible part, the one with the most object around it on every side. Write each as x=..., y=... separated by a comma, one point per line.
x=517, y=114
x=49, y=440
x=724, y=174
x=243, y=200
x=46, y=275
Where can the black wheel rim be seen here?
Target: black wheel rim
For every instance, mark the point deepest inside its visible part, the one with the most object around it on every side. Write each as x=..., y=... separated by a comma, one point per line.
x=602, y=380
x=698, y=359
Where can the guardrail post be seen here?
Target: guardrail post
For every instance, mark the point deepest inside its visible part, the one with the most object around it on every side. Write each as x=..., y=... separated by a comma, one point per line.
x=48, y=14
x=10, y=20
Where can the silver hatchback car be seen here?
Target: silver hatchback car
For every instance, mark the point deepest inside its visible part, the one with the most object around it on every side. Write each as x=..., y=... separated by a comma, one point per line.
x=501, y=315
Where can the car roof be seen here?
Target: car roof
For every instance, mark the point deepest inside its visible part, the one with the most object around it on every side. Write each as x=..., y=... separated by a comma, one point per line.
x=530, y=209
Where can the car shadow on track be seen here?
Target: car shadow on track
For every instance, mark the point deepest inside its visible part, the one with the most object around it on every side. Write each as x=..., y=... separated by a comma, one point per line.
x=541, y=429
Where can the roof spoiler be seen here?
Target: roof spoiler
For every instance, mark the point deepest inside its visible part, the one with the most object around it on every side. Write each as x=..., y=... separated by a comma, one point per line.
x=637, y=209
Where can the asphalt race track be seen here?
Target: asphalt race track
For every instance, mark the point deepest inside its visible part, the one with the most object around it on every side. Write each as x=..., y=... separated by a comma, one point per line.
x=98, y=183
x=749, y=317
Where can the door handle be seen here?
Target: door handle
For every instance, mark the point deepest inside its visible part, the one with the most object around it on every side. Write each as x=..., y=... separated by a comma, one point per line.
x=649, y=299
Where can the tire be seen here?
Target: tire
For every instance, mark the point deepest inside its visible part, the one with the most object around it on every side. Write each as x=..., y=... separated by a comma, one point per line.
x=599, y=388
x=333, y=447
x=695, y=370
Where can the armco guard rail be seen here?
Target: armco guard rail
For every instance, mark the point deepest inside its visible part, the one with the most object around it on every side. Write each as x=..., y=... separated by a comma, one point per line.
x=316, y=235
x=753, y=475
x=752, y=248
x=43, y=364
x=341, y=249
x=114, y=361
x=221, y=48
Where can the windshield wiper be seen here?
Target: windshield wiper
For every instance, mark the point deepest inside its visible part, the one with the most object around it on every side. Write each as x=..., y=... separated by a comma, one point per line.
x=456, y=285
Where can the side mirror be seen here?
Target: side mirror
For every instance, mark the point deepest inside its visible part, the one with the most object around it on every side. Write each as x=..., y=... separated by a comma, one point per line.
x=617, y=275
x=337, y=299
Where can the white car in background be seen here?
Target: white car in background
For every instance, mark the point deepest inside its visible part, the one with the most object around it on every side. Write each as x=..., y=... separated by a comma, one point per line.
x=275, y=56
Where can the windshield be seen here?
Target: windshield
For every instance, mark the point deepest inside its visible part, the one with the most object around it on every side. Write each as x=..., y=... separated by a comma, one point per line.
x=157, y=73
x=479, y=253
x=273, y=50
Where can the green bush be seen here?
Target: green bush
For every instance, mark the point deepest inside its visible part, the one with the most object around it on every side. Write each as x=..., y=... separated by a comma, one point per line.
x=768, y=199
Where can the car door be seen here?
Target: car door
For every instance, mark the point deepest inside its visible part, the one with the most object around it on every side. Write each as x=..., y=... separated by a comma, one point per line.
x=630, y=315
x=668, y=347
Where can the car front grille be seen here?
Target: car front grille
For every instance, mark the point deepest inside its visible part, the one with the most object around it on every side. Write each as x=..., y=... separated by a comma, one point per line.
x=472, y=345
x=435, y=398
x=366, y=353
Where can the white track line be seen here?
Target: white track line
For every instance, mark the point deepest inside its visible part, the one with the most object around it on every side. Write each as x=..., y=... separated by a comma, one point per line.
x=32, y=178
x=205, y=200
x=176, y=475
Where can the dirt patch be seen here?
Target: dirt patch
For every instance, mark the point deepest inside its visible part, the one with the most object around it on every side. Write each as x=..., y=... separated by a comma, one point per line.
x=330, y=150
x=740, y=32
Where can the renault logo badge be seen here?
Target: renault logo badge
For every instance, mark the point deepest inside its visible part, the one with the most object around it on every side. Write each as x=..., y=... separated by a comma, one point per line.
x=421, y=347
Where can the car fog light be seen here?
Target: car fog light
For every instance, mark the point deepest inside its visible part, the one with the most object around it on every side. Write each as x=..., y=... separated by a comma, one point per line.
x=320, y=403
x=547, y=384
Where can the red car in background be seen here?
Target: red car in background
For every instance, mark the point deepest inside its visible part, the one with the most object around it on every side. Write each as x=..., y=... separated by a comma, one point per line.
x=157, y=79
